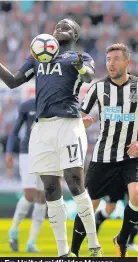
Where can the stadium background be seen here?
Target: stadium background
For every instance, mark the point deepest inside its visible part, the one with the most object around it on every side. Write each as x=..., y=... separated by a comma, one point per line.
x=102, y=23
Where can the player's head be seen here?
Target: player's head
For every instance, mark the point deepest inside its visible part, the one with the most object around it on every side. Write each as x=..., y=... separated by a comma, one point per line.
x=67, y=30
x=117, y=60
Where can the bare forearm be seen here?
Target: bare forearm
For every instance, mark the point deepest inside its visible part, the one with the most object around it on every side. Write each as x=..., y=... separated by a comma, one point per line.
x=11, y=80
x=87, y=120
x=83, y=114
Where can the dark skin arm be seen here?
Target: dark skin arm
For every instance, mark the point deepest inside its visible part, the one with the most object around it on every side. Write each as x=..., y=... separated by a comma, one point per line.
x=87, y=77
x=11, y=80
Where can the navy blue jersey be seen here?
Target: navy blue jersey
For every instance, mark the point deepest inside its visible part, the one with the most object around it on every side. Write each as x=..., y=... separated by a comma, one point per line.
x=57, y=85
x=26, y=116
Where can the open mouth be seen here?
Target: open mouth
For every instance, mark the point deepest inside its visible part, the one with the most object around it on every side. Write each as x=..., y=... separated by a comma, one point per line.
x=59, y=33
x=112, y=70
x=62, y=35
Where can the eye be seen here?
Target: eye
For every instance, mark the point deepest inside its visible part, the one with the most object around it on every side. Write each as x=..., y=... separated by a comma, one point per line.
x=58, y=26
x=117, y=58
x=66, y=27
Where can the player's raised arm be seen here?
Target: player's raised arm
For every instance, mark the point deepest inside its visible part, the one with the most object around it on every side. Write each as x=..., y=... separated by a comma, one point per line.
x=21, y=76
x=11, y=80
x=85, y=66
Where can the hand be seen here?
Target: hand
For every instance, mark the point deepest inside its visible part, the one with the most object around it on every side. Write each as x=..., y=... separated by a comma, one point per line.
x=88, y=121
x=133, y=149
x=78, y=62
x=9, y=160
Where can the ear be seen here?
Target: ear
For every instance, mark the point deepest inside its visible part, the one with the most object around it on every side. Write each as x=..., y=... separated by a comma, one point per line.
x=75, y=37
x=127, y=62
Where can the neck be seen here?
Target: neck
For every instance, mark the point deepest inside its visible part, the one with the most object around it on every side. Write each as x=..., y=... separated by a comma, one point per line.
x=121, y=80
x=64, y=46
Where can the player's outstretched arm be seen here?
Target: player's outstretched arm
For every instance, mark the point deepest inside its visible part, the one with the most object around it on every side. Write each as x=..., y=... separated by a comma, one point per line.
x=11, y=80
x=84, y=68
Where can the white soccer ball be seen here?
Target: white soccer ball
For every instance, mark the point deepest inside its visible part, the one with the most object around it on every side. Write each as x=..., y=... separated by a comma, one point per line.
x=44, y=48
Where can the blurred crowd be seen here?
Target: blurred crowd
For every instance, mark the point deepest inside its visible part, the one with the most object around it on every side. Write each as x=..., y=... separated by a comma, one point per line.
x=102, y=24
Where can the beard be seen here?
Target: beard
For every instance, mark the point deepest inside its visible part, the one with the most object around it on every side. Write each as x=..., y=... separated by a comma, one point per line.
x=117, y=76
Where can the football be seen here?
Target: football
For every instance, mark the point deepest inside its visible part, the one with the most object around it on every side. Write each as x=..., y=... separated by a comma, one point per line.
x=44, y=48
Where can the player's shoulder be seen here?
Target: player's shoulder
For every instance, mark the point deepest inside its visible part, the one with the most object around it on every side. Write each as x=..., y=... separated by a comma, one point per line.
x=88, y=60
x=101, y=81
x=133, y=78
x=30, y=58
x=85, y=55
x=29, y=62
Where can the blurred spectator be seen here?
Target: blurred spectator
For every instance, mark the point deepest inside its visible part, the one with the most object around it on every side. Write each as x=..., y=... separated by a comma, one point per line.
x=49, y=27
x=57, y=9
x=13, y=46
x=87, y=36
x=98, y=55
x=114, y=13
x=108, y=26
x=5, y=6
x=95, y=12
x=125, y=21
x=3, y=27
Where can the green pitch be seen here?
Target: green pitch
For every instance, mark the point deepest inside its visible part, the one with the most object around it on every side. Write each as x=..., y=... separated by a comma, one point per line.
x=46, y=242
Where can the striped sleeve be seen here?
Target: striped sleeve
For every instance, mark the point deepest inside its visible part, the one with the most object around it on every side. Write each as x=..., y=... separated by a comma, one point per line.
x=90, y=99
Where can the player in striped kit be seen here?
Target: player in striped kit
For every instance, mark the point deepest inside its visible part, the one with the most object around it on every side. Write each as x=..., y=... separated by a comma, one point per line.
x=116, y=151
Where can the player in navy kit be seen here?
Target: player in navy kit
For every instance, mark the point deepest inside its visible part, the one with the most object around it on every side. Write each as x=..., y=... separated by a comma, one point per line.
x=33, y=192
x=58, y=140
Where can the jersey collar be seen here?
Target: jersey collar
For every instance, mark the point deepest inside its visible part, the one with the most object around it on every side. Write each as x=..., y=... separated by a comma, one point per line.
x=64, y=48
x=129, y=79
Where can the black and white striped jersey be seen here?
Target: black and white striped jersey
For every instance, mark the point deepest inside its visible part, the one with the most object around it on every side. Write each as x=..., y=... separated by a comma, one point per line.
x=118, y=112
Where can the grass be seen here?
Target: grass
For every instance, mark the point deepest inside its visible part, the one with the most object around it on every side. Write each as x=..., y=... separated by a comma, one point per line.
x=46, y=242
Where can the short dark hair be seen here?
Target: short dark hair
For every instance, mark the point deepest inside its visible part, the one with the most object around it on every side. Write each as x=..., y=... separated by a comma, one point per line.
x=121, y=47
x=76, y=28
